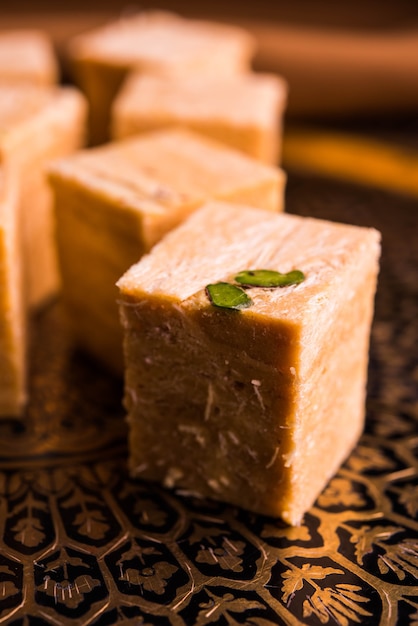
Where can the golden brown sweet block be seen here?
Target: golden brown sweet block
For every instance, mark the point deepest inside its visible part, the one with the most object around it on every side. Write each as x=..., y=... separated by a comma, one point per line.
x=244, y=111
x=27, y=56
x=115, y=202
x=12, y=310
x=38, y=124
x=156, y=42
x=256, y=407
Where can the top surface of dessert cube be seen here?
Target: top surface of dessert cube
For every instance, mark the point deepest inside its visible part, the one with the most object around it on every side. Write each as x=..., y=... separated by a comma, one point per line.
x=163, y=169
x=28, y=56
x=220, y=240
x=22, y=103
x=244, y=98
x=159, y=39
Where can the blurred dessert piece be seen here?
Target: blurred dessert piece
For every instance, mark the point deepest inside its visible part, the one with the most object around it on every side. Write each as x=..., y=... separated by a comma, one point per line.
x=38, y=124
x=113, y=203
x=151, y=42
x=244, y=111
x=342, y=73
x=12, y=308
x=27, y=56
x=256, y=407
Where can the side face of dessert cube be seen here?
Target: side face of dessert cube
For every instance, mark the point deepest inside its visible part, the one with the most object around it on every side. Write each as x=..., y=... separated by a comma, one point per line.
x=244, y=111
x=12, y=311
x=115, y=202
x=39, y=124
x=27, y=56
x=156, y=42
x=256, y=407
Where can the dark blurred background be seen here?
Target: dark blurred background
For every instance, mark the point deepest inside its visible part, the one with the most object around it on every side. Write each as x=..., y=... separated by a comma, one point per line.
x=354, y=14
x=352, y=68
x=342, y=59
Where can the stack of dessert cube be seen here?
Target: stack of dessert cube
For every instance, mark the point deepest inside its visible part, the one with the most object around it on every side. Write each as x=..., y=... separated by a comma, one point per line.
x=39, y=121
x=242, y=332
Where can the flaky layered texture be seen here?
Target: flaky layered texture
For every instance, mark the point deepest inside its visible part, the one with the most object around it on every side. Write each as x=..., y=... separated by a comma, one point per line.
x=257, y=407
x=115, y=202
x=38, y=124
x=154, y=42
x=244, y=111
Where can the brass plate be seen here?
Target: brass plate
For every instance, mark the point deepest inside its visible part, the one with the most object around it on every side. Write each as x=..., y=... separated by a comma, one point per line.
x=82, y=543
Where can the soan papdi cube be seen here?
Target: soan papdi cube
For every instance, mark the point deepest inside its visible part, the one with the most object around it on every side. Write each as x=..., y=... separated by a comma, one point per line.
x=155, y=42
x=244, y=111
x=27, y=56
x=38, y=124
x=12, y=309
x=257, y=407
x=115, y=202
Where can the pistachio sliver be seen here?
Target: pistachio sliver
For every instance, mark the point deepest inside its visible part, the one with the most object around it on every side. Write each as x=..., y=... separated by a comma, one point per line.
x=228, y=296
x=268, y=278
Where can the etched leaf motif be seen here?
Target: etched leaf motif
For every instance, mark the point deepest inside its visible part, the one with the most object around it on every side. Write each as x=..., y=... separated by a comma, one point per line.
x=90, y=524
x=296, y=578
x=401, y=559
x=28, y=532
x=222, y=606
x=7, y=589
x=202, y=532
x=409, y=499
x=69, y=593
x=152, y=579
x=57, y=481
x=128, y=489
x=90, y=519
x=10, y=485
x=365, y=458
x=227, y=556
x=135, y=551
x=105, y=473
x=414, y=617
x=341, y=605
x=294, y=582
x=149, y=513
x=29, y=504
x=340, y=492
x=63, y=560
x=366, y=537
x=392, y=425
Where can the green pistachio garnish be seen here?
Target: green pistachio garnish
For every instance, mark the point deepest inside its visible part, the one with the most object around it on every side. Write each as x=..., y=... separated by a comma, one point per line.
x=269, y=278
x=228, y=296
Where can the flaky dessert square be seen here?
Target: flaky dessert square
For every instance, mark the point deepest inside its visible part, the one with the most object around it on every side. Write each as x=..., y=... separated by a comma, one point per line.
x=38, y=124
x=113, y=203
x=27, y=55
x=246, y=339
x=244, y=111
x=153, y=42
